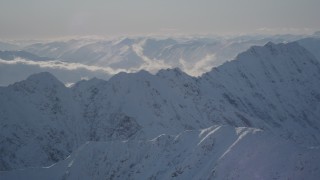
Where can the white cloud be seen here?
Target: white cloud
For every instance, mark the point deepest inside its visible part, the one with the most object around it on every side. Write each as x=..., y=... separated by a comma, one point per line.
x=19, y=69
x=62, y=65
x=151, y=65
x=199, y=67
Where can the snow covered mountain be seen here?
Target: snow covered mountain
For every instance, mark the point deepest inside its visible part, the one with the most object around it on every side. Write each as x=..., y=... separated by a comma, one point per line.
x=272, y=90
x=38, y=122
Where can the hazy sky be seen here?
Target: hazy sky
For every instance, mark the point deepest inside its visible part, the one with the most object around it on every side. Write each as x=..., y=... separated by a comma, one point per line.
x=56, y=18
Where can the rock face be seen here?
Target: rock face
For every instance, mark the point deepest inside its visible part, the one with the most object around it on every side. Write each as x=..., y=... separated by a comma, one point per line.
x=271, y=90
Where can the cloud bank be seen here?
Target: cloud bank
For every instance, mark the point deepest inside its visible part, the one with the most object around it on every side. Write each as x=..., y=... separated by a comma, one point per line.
x=18, y=69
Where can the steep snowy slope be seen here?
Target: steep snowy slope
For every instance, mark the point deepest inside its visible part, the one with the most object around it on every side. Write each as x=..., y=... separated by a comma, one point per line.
x=312, y=45
x=271, y=87
x=274, y=88
x=218, y=152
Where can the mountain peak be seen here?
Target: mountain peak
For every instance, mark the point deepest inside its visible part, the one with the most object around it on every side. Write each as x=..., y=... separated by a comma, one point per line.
x=41, y=80
x=130, y=77
x=269, y=44
x=278, y=58
x=282, y=46
x=42, y=76
x=170, y=72
x=87, y=83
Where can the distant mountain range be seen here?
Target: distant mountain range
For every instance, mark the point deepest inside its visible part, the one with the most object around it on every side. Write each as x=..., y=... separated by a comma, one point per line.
x=11, y=55
x=254, y=117
x=73, y=60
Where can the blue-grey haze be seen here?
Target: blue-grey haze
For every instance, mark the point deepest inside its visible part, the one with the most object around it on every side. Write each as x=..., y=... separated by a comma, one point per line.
x=46, y=18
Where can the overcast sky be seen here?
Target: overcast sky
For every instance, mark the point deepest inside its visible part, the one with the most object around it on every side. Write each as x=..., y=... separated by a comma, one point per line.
x=26, y=19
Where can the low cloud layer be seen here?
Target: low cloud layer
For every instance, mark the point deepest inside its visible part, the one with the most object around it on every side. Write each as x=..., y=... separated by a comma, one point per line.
x=20, y=69
x=61, y=65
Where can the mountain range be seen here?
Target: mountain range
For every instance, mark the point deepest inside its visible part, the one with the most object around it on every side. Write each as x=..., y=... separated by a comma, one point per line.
x=71, y=60
x=251, y=118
